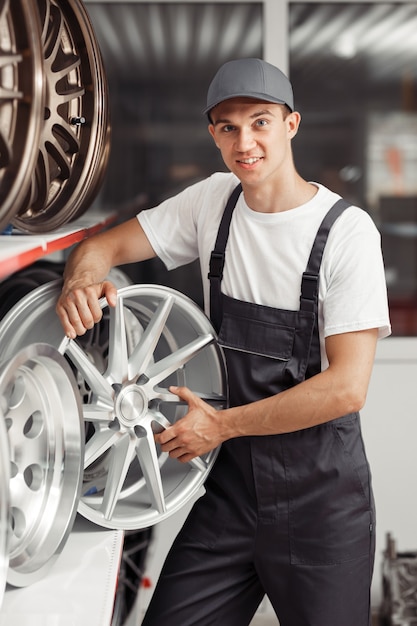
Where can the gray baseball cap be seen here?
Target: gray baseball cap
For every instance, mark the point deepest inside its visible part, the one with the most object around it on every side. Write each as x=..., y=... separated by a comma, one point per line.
x=250, y=78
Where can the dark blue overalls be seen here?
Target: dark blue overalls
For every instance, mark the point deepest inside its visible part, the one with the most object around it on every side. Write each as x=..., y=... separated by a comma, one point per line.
x=288, y=515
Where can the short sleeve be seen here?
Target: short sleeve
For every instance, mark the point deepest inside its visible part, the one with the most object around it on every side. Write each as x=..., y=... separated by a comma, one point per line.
x=354, y=291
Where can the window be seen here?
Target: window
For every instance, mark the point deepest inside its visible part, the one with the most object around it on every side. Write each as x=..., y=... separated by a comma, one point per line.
x=354, y=74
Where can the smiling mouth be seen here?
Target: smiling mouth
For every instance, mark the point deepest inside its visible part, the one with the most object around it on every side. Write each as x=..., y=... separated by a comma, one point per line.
x=250, y=161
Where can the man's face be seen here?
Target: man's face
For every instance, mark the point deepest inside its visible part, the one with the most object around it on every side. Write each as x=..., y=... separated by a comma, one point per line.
x=254, y=138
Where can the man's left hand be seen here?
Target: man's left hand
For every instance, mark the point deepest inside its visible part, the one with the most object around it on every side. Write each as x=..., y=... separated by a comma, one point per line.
x=196, y=433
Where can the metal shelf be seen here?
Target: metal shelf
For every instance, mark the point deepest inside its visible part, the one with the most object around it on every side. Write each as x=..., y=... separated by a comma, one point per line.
x=18, y=250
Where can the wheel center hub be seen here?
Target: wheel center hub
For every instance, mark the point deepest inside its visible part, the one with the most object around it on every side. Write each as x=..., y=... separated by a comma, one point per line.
x=131, y=405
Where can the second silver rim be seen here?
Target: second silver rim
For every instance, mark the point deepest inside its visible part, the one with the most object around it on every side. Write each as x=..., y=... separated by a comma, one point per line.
x=42, y=411
x=4, y=501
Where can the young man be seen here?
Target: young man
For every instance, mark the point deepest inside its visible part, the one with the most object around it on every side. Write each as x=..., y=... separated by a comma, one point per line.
x=296, y=290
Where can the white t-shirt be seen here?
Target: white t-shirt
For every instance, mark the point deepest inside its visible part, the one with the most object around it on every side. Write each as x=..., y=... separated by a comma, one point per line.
x=267, y=253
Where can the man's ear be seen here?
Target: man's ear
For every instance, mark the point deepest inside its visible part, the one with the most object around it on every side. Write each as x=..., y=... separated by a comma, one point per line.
x=294, y=120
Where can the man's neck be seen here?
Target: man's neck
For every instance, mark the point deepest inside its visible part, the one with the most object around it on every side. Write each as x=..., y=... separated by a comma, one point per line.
x=275, y=198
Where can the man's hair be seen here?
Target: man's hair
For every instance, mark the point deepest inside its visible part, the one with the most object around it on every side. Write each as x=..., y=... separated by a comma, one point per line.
x=286, y=111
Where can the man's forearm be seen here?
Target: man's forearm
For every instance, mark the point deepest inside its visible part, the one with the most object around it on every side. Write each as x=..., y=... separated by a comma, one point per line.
x=308, y=404
x=89, y=263
x=93, y=258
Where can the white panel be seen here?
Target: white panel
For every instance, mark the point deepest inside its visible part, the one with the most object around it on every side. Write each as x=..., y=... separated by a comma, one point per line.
x=389, y=427
x=78, y=591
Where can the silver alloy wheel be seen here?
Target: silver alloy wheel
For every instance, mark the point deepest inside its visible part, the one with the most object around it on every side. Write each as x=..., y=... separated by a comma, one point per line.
x=4, y=501
x=156, y=337
x=74, y=145
x=21, y=101
x=42, y=409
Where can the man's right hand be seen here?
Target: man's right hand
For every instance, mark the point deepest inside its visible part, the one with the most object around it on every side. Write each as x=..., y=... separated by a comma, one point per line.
x=78, y=307
x=88, y=265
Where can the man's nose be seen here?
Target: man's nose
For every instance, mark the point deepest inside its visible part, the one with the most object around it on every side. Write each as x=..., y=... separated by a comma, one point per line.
x=245, y=140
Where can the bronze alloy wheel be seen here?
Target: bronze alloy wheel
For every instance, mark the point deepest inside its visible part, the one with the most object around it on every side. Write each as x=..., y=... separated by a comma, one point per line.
x=74, y=143
x=21, y=101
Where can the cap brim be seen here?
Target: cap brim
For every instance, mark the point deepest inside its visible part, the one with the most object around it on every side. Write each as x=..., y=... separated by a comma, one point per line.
x=255, y=96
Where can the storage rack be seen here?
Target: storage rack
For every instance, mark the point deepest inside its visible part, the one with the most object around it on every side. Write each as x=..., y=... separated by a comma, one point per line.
x=18, y=250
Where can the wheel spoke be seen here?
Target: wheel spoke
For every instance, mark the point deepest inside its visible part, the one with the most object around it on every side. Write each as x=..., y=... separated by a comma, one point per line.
x=57, y=153
x=10, y=94
x=118, y=360
x=199, y=464
x=214, y=399
x=159, y=422
x=67, y=66
x=71, y=94
x=65, y=134
x=120, y=460
x=54, y=35
x=5, y=60
x=141, y=356
x=149, y=463
x=96, y=381
x=98, y=413
x=100, y=442
x=41, y=179
x=9, y=59
x=161, y=394
x=171, y=363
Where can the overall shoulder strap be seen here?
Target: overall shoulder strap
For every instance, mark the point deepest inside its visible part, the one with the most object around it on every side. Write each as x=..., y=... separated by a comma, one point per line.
x=310, y=279
x=217, y=259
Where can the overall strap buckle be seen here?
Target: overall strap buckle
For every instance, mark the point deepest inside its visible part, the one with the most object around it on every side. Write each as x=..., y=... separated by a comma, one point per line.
x=217, y=260
x=309, y=291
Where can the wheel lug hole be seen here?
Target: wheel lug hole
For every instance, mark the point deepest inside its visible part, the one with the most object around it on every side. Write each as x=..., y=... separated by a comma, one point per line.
x=140, y=431
x=18, y=521
x=33, y=425
x=33, y=476
x=114, y=425
x=13, y=470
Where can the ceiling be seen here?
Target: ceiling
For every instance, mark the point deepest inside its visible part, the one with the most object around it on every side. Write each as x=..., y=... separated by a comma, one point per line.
x=142, y=40
x=172, y=41
x=380, y=38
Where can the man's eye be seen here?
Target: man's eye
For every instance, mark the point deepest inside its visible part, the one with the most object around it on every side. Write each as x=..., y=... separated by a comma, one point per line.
x=261, y=122
x=227, y=128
